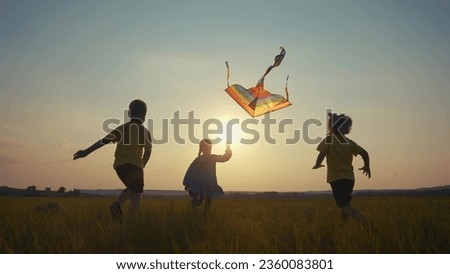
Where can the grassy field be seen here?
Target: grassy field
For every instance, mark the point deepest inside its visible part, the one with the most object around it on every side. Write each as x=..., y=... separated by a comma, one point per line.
x=83, y=225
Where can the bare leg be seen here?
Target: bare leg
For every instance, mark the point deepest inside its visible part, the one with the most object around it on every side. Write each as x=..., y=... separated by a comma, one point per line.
x=135, y=202
x=116, y=207
x=349, y=212
x=124, y=196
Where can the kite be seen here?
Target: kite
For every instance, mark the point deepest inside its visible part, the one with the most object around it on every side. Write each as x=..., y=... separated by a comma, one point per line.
x=256, y=100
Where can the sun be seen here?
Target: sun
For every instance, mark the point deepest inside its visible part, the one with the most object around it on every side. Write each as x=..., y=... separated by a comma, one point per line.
x=232, y=133
x=224, y=131
x=227, y=131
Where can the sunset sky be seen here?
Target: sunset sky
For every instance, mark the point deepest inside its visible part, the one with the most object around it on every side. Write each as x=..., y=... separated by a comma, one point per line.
x=67, y=66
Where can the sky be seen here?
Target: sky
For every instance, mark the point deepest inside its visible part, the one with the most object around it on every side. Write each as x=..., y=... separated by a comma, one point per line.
x=66, y=67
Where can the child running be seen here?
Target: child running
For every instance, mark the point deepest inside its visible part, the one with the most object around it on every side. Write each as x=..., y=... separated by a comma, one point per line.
x=200, y=179
x=339, y=151
x=133, y=150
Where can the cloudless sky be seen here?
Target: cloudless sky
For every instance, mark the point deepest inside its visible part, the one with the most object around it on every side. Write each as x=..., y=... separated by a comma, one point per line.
x=67, y=66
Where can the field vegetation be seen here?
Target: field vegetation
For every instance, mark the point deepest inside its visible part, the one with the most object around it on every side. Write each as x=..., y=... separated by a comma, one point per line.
x=169, y=225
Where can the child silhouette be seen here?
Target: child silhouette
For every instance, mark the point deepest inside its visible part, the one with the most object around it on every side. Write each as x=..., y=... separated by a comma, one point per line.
x=339, y=151
x=200, y=179
x=132, y=139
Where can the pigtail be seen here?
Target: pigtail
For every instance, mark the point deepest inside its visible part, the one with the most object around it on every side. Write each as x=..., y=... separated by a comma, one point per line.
x=204, y=142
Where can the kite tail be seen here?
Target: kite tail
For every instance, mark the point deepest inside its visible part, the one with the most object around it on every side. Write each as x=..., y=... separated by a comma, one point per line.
x=277, y=61
x=286, y=88
x=279, y=57
x=228, y=73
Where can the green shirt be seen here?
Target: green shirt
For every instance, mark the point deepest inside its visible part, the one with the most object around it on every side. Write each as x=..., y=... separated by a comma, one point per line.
x=339, y=151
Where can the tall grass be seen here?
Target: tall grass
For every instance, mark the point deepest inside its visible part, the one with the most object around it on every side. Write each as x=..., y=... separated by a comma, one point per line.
x=83, y=225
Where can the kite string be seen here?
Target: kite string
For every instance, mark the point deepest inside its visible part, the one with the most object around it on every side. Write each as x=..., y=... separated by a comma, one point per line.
x=228, y=73
x=286, y=88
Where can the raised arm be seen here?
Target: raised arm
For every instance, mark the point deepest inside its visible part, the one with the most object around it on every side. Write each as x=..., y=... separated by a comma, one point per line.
x=366, y=168
x=225, y=157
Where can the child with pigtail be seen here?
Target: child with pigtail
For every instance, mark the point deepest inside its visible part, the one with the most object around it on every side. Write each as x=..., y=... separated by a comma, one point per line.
x=200, y=179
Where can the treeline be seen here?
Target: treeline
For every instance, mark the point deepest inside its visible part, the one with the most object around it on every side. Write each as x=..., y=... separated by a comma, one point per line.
x=32, y=191
x=435, y=191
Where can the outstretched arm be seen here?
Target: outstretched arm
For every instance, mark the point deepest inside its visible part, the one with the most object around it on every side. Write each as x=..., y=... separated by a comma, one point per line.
x=319, y=160
x=89, y=150
x=366, y=167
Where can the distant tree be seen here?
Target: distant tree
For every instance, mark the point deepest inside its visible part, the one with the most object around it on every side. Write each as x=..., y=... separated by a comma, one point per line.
x=74, y=193
x=48, y=189
x=62, y=190
x=31, y=188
